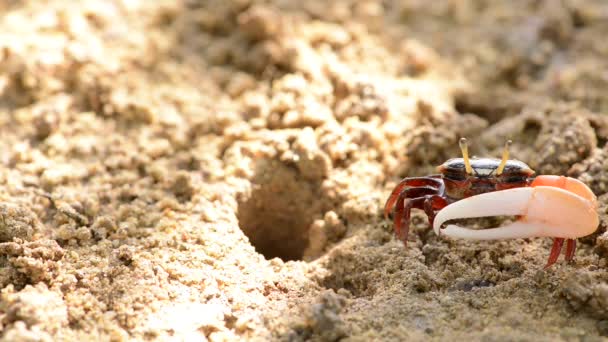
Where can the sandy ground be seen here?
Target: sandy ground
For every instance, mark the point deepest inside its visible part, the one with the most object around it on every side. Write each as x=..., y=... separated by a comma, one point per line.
x=192, y=170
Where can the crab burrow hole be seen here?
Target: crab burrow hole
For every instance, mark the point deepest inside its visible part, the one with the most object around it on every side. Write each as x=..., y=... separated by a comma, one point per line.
x=278, y=213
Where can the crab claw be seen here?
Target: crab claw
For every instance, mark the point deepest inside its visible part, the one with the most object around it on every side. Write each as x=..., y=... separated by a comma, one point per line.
x=565, y=209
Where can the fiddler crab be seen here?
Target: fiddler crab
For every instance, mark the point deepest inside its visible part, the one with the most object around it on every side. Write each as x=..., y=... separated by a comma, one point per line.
x=546, y=206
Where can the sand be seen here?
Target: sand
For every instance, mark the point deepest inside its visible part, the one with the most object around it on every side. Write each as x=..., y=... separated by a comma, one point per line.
x=216, y=170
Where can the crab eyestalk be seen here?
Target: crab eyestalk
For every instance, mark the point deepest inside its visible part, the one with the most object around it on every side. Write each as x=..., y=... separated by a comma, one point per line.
x=465, y=155
x=505, y=158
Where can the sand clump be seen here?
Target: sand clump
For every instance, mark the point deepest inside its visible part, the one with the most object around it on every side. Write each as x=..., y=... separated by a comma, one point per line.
x=215, y=170
x=18, y=222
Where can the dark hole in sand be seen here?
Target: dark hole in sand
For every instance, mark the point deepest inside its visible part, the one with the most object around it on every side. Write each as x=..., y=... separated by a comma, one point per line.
x=277, y=215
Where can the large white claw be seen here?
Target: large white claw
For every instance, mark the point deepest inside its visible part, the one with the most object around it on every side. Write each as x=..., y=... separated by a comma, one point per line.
x=545, y=211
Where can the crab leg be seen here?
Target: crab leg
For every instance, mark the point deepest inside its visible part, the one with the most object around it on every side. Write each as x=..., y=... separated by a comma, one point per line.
x=556, y=249
x=431, y=185
x=432, y=204
x=405, y=204
x=403, y=211
x=566, y=209
x=570, y=249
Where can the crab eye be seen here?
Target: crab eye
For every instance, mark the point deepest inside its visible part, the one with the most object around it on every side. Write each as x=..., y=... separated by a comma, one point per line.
x=455, y=176
x=514, y=179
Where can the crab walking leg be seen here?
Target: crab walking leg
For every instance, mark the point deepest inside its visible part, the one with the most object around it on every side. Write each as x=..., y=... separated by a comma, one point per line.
x=403, y=210
x=570, y=249
x=545, y=211
x=432, y=204
x=412, y=193
x=405, y=204
x=431, y=184
x=556, y=249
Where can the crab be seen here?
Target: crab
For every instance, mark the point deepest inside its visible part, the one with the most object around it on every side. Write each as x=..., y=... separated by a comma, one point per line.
x=546, y=206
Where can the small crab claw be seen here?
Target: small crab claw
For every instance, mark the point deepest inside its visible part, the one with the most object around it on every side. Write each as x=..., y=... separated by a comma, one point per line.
x=545, y=211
